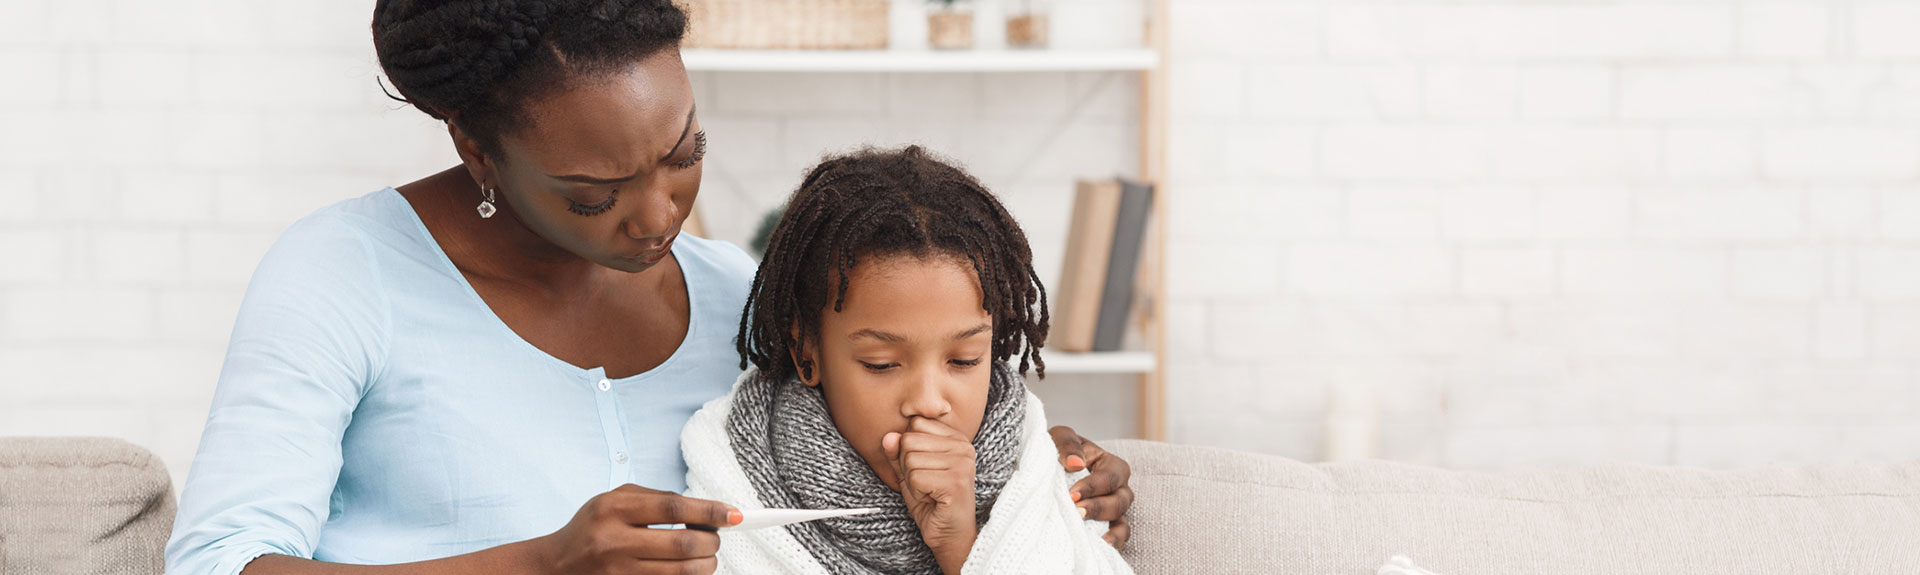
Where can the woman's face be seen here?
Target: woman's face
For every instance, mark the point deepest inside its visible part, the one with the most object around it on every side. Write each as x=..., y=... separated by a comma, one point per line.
x=910, y=341
x=607, y=169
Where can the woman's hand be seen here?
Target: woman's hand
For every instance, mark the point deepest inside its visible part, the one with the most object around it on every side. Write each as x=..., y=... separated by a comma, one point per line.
x=610, y=535
x=935, y=466
x=1103, y=495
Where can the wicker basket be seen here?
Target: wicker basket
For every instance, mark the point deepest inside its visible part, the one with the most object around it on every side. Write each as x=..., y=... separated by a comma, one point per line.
x=787, y=24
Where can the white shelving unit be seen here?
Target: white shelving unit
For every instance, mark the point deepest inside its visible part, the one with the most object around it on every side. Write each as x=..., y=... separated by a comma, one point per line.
x=1149, y=62
x=919, y=60
x=1100, y=362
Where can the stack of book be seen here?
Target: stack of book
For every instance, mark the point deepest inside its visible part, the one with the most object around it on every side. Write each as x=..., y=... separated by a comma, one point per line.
x=1097, y=283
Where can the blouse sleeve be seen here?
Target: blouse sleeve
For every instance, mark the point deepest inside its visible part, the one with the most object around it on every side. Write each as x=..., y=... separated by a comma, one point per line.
x=310, y=337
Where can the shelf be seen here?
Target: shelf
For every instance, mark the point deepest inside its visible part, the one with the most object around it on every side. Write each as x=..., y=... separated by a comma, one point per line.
x=918, y=60
x=1059, y=362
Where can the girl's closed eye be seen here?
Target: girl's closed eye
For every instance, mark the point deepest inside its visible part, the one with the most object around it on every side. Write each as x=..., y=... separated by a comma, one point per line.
x=965, y=362
x=878, y=367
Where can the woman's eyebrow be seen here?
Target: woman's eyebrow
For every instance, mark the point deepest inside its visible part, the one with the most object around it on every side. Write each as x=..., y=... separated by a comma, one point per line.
x=683, y=133
x=591, y=180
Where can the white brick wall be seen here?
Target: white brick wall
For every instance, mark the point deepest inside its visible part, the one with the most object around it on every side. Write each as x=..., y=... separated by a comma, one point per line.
x=150, y=153
x=1543, y=233
x=1553, y=233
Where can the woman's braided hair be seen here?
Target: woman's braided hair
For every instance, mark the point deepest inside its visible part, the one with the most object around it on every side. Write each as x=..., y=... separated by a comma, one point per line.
x=477, y=62
x=875, y=204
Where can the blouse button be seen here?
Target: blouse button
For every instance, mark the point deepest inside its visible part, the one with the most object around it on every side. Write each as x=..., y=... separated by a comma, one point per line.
x=605, y=385
x=620, y=457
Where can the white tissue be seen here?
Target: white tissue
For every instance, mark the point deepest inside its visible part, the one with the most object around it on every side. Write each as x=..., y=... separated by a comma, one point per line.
x=1401, y=565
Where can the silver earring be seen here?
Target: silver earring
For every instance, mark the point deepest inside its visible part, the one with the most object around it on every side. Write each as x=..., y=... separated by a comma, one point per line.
x=486, y=208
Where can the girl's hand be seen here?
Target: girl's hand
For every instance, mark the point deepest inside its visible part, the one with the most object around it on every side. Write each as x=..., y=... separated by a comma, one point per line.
x=1103, y=495
x=610, y=535
x=935, y=465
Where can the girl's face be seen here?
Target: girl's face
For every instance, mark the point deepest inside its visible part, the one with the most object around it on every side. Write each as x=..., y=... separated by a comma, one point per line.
x=911, y=340
x=607, y=169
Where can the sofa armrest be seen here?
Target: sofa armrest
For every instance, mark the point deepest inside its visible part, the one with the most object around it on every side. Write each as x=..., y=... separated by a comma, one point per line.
x=82, y=505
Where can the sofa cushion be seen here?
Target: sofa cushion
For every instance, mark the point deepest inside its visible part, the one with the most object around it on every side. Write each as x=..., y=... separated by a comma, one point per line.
x=1203, y=510
x=82, y=505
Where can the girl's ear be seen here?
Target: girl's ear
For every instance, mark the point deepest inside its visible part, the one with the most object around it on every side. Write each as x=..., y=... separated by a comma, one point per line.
x=804, y=359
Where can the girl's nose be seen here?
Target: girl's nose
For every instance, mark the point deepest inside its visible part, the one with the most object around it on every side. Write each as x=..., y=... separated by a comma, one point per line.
x=925, y=399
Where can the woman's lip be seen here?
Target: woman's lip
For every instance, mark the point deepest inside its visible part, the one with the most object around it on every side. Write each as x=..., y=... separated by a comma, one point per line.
x=657, y=255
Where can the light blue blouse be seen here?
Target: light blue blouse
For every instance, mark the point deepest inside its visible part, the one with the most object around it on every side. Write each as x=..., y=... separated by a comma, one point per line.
x=373, y=409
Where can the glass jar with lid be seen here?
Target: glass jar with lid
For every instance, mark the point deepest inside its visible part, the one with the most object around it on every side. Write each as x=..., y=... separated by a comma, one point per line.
x=1028, y=23
x=950, y=24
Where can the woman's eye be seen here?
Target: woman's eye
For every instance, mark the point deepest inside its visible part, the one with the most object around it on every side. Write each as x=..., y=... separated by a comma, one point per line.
x=878, y=366
x=699, y=151
x=595, y=209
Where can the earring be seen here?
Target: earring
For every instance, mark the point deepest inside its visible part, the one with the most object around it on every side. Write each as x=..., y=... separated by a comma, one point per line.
x=486, y=208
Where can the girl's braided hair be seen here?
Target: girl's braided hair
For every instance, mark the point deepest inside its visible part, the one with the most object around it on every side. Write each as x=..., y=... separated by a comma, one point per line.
x=875, y=204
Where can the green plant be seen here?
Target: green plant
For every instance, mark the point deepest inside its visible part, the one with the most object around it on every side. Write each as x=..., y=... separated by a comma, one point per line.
x=763, y=233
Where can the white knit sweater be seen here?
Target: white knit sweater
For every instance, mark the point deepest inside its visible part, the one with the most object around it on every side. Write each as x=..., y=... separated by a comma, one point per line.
x=1035, y=527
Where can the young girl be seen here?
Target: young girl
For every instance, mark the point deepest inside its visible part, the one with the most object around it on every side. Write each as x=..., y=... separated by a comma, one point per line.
x=882, y=330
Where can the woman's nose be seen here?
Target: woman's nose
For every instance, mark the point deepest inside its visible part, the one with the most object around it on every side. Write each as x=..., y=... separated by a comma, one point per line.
x=652, y=216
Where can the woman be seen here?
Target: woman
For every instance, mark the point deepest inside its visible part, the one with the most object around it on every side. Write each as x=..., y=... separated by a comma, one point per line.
x=487, y=370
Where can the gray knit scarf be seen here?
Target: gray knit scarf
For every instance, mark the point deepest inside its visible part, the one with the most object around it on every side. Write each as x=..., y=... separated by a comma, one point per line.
x=796, y=458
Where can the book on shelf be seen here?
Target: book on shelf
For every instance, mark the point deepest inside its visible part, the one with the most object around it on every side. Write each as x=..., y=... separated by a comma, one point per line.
x=1123, y=264
x=1146, y=289
x=1105, y=238
x=1076, y=302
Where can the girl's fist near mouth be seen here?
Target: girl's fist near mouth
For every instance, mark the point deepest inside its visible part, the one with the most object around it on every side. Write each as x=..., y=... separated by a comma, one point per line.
x=935, y=465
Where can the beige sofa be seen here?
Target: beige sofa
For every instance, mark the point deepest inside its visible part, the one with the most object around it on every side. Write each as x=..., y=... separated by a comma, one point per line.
x=1205, y=510
x=81, y=505
x=105, y=506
